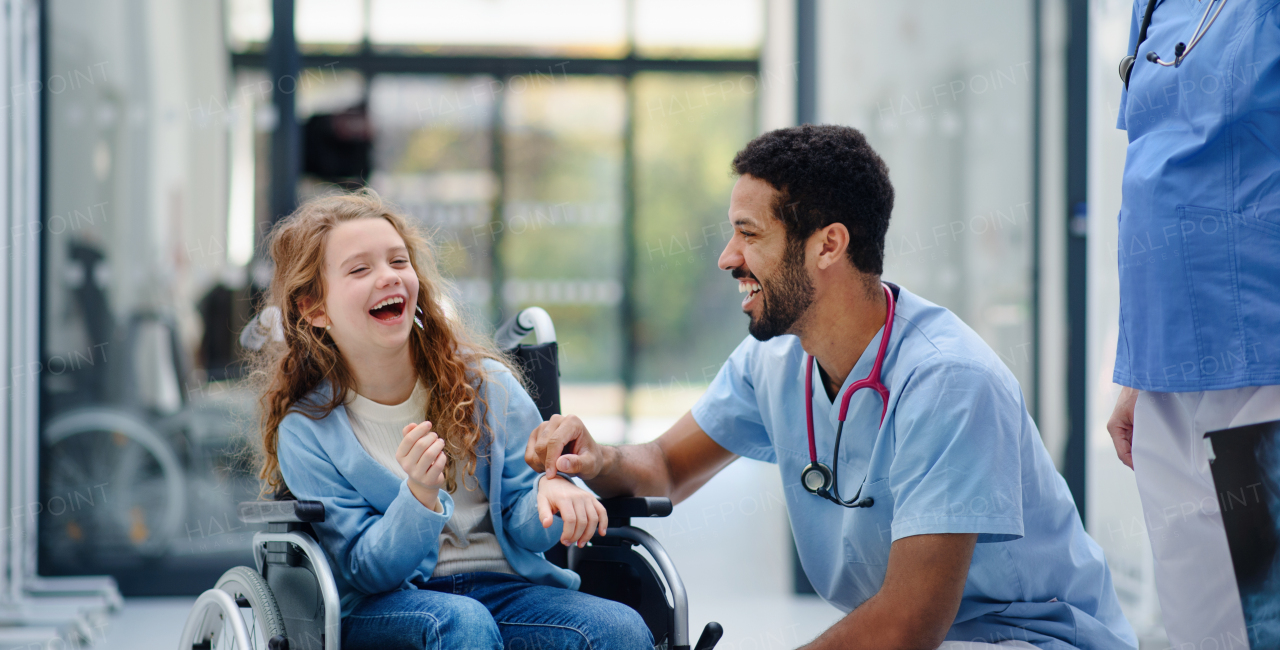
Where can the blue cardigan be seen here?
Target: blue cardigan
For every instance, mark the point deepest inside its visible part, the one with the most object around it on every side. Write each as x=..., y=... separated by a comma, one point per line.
x=378, y=536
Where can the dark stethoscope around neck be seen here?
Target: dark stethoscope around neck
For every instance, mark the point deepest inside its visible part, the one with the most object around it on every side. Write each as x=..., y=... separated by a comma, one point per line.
x=817, y=478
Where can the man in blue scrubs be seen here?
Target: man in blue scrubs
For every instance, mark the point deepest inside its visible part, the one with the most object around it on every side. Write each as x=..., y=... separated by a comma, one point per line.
x=969, y=535
x=1199, y=255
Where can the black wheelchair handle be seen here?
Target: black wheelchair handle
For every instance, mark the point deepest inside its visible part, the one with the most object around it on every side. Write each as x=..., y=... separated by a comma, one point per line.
x=279, y=512
x=710, y=636
x=628, y=507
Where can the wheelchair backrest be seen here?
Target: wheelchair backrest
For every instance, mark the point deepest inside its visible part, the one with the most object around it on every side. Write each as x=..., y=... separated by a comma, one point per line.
x=540, y=364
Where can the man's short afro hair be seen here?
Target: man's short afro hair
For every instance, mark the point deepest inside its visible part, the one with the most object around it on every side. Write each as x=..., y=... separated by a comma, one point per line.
x=825, y=174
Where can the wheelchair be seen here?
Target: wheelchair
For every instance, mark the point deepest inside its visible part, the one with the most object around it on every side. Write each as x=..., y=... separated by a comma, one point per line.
x=289, y=601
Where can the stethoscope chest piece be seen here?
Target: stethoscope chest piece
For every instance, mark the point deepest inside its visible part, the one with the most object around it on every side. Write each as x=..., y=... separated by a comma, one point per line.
x=816, y=477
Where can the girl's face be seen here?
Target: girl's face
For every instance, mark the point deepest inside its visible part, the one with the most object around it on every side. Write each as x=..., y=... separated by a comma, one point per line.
x=371, y=288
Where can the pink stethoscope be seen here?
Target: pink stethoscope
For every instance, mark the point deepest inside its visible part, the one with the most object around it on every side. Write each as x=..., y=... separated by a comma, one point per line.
x=816, y=477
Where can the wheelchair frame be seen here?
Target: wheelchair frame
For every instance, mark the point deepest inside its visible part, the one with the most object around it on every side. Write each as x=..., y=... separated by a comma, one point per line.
x=289, y=546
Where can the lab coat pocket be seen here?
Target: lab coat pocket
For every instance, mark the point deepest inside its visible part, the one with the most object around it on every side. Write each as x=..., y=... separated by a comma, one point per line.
x=868, y=532
x=1209, y=240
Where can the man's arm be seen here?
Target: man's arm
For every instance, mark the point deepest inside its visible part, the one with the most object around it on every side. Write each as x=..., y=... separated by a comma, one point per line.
x=675, y=465
x=917, y=603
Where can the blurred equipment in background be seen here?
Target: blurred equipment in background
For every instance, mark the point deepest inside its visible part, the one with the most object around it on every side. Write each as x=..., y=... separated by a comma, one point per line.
x=86, y=274
x=337, y=147
x=141, y=260
x=224, y=311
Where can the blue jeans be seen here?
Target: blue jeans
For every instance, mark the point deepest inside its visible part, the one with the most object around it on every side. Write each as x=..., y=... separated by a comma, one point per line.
x=492, y=610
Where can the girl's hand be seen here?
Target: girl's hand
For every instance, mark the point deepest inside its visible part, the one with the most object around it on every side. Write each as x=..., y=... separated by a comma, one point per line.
x=581, y=511
x=421, y=455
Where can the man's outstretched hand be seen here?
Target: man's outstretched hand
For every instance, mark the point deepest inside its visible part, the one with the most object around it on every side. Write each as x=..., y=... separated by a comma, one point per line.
x=562, y=444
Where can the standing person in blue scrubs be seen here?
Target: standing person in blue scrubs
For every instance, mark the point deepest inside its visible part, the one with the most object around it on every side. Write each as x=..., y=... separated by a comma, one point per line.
x=1199, y=255
x=952, y=526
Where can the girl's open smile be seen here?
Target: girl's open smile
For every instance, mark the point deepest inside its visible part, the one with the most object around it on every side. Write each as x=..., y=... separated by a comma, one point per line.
x=389, y=310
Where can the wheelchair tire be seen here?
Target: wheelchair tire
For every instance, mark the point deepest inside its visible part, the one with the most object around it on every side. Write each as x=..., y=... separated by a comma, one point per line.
x=248, y=588
x=215, y=623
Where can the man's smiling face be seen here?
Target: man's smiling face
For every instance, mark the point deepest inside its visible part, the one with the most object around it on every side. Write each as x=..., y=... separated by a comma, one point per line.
x=769, y=267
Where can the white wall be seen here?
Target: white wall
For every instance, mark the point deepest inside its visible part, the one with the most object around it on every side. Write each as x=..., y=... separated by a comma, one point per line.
x=778, y=66
x=943, y=92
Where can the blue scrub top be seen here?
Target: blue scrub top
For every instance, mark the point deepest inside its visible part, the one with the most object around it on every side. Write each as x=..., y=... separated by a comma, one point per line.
x=956, y=453
x=1199, y=246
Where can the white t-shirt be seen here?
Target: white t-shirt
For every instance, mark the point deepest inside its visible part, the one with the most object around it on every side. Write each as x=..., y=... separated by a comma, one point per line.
x=467, y=543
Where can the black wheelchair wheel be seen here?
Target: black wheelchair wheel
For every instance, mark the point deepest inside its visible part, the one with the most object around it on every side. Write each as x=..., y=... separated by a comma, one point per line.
x=249, y=589
x=239, y=613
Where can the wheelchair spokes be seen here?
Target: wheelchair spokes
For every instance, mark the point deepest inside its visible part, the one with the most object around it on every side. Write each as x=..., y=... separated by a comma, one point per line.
x=216, y=623
x=222, y=630
x=240, y=613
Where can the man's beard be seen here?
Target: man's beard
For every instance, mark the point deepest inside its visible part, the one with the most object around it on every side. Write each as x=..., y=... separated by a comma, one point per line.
x=786, y=297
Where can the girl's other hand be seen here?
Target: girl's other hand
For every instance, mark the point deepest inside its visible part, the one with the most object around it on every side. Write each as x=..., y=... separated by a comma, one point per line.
x=581, y=511
x=421, y=455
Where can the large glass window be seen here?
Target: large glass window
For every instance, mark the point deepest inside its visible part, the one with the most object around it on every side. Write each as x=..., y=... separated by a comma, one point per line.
x=669, y=29
x=433, y=157
x=562, y=245
x=598, y=27
x=687, y=129
x=698, y=28
x=329, y=25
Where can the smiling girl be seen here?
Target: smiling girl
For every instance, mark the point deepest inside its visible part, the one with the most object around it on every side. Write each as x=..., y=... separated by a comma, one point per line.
x=410, y=430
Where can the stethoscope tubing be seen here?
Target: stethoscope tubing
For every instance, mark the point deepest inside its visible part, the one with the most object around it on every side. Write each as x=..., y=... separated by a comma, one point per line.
x=1195, y=37
x=1181, y=51
x=872, y=381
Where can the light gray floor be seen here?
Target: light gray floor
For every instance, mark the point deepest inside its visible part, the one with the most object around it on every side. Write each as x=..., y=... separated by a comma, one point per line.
x=148, y=624
x=732, y=544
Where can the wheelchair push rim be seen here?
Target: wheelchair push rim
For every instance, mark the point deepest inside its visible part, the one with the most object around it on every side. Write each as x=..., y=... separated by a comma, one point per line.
x=215, y=623
x=239, y=613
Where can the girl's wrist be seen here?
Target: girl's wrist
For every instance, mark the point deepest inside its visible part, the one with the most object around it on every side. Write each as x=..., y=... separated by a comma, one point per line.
x=428, y=497
x=543, y=480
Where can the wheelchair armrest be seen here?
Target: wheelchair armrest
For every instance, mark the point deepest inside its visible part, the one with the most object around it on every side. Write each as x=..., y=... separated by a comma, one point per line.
x=281, y=512
x=622, y=509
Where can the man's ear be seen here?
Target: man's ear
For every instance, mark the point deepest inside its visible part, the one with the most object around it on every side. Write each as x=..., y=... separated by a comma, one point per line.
x=317, y=318
x=834, y=244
